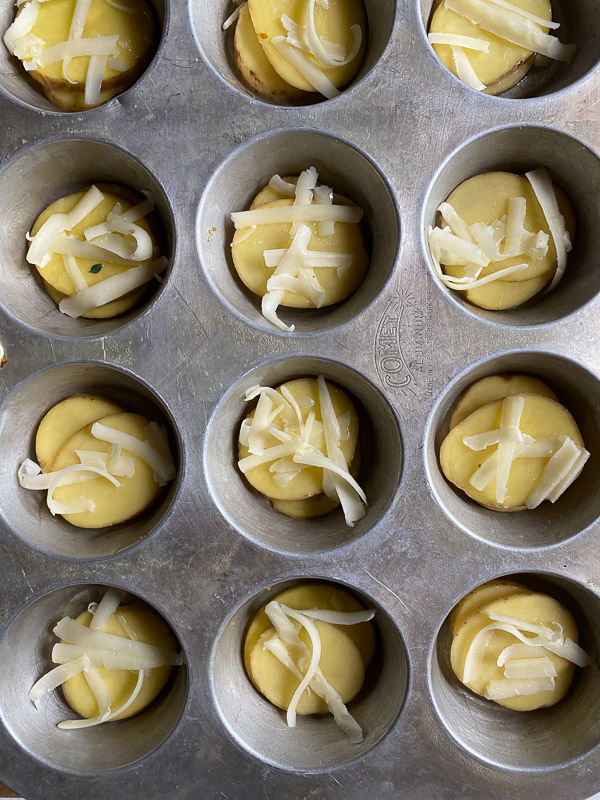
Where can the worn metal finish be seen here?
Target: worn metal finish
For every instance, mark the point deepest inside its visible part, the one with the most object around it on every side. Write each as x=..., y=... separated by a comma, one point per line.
x=205, y=555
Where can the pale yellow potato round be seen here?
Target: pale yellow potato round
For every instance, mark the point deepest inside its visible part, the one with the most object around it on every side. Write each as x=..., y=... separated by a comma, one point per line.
x=484, y=198
x=54, y=272
x=542, y=418
x=325, y=596
x=511, y=79
x=333, y=24
x=65, y=419
x=150, y=628
x=311, y=507
x=113, y=309
x=502, y=295
x=137, y=35
x=113, y=504
x=472, y=602
x=249, y=261
x=340, y=663
x=310, y=480
x=496, y=387
x=505, y=63
x=255, y=68
x=529, y=607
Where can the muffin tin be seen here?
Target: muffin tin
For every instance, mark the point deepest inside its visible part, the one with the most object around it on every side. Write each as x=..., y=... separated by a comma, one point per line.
x=210, y=552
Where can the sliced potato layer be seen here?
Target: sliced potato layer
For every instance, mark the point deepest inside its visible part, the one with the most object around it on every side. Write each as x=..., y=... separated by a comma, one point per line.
x=484, y=199
x=496, y=387
x=542, y=418
x=58, y=281
x=333, y=24
x=472, y=602
x=148, y=627
x=137, y=32
x=255, y=68
x=505, y=64
x=516, y=603
x=65, y=419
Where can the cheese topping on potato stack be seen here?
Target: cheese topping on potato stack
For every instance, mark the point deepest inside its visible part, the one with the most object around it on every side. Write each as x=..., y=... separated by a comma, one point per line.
x=298, y=446
x=519, y=448
x=99, y=464
x=82, y=52
x=288, y=48
x=307, y=651
x=299, y=245
x=113, y=660
x=515, y=646
x=501, y=238
x=96, y=251
x=490, y=45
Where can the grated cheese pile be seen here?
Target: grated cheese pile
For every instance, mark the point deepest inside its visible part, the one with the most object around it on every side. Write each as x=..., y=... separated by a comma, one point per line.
x=154, y=451
x=84, y=649
x=303, y=662
x=35, y=54
x=117, y=240
x=565, y=458
x=526, y=666
x=480, y=246
x=306, y=51
x=294, y=267
x=506, y=21
x=303, y=442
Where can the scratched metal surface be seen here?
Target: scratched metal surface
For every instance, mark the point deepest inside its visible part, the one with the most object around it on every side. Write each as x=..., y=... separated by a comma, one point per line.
x=408, y=343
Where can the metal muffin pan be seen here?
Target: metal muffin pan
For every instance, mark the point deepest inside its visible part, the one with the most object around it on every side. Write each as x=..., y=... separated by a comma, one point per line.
x=210, y=552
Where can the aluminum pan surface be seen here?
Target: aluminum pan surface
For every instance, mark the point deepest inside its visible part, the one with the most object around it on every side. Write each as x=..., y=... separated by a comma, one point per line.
x=190, y=348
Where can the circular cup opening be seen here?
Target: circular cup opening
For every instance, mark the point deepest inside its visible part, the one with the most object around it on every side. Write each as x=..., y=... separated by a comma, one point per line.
x=579, y=25
x=26, y=655
x=317, y=744
x=546, y=739
x=250, y=513
x=217, y=47
x=19, y=87
x=29, y=182
x=549, y=524
x=572, y=167
x=341, y=165
x=25, y=511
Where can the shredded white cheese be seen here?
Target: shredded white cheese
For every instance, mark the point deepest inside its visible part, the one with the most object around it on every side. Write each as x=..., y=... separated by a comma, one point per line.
x=542, y=185
x=303, y=443
x=77, y=507
x=457, y=40
x=294, y=213
x=161, y=463
x=75, y=48
x=110, y=289
x=555, y=471
x=512, y=26
x=87, y=649
x=291, y=651
x=309, y=70
x=465, y=70
x=93, y=79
